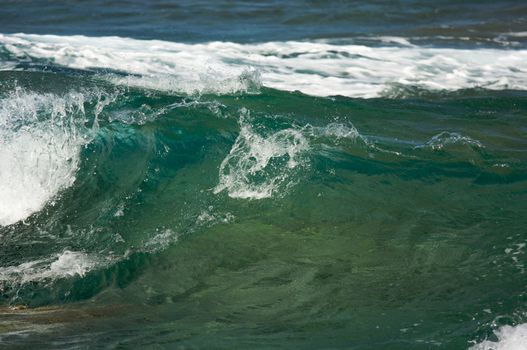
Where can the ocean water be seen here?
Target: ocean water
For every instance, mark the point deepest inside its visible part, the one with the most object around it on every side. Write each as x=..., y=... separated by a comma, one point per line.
x=263, y=175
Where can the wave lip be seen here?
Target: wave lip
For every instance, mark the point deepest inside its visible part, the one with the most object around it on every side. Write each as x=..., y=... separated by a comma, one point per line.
x=320, y=68
x=39, y=153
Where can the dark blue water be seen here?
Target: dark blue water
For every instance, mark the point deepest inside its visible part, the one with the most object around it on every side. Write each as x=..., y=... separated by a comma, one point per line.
x=444, y=22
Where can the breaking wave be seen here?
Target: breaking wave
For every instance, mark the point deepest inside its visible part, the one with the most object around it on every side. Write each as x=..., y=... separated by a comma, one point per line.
x=40, y=145
x=320, y=68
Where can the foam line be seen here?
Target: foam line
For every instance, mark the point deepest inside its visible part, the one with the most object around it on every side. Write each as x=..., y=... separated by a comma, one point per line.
x=317, y=68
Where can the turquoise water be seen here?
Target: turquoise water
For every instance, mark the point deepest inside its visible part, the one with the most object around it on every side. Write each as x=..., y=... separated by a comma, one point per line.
x=304, y=194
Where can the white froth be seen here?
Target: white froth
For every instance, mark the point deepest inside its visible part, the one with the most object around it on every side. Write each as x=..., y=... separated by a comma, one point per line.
x=509, y=338
x=260, y=165
x=66, y=264
x=517, y=34
x=161, y=240
x=317, y=68
x=210, y=82
x=38, y=158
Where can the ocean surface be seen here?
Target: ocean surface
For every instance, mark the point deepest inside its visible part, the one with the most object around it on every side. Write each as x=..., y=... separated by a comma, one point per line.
x=263, y=175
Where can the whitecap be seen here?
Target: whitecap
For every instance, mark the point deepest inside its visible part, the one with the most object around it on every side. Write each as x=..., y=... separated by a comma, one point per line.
x=319, y=67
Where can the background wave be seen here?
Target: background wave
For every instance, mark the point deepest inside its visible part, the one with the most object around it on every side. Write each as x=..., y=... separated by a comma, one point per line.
x=318, y=68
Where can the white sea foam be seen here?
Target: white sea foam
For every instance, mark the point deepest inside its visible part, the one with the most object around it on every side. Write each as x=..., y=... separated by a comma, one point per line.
x=161, y=240
x=65, y=264
x=318, y=68
x=258, y=164
x=509, y=338
x=38, y=155
x=209, y=217
x=517, y=34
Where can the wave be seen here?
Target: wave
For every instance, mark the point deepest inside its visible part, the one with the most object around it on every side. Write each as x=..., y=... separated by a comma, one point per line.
x=42, y=135
x=321, y=68
x=93, y=139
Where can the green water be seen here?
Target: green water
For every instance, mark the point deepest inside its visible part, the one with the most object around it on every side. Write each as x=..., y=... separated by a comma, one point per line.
x=269, y=219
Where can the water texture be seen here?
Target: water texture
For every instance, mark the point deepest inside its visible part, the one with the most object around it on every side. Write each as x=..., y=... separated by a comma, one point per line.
x=215, y=175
